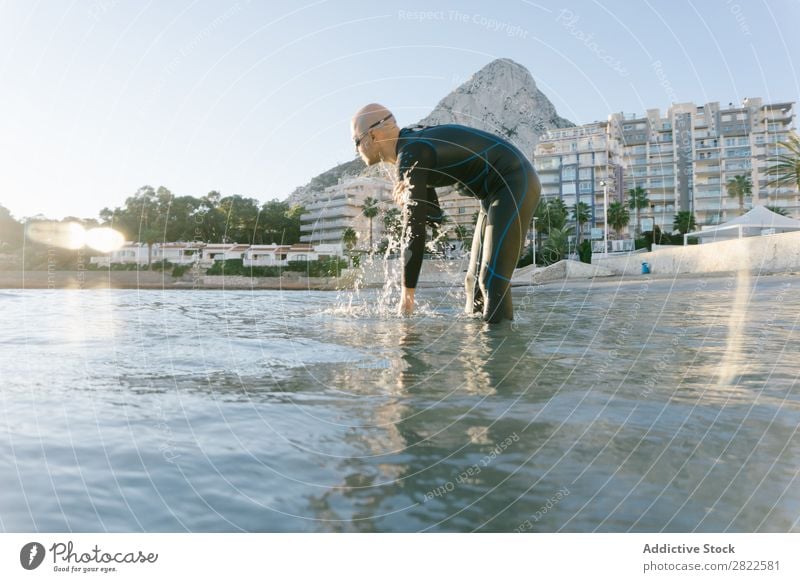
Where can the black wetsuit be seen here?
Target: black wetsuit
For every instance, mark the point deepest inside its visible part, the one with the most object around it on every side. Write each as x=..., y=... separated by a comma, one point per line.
x=494, y=171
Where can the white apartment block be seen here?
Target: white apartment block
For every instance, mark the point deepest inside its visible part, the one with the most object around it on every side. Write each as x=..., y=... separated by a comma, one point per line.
x=331, y=211
x=580, y=164
x=685, y=158
x=682, y=160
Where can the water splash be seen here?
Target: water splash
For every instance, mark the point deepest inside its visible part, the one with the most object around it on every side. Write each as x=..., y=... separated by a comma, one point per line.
x=357, y=302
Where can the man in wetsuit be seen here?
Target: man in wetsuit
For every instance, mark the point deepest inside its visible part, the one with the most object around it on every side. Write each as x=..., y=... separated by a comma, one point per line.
x=479, y=164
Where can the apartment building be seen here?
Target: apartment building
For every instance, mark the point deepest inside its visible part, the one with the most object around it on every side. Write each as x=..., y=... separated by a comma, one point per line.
x=338, y=207
x=685, y=158
x=581, y=164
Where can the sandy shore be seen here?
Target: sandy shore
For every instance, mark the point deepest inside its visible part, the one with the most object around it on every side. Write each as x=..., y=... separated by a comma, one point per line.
x=155, y=280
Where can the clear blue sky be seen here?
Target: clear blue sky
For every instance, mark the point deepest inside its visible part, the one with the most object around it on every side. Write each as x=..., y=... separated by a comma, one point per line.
x=98, y=98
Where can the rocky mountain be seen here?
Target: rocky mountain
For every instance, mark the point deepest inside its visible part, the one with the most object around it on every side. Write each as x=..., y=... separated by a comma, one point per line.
x=501, y=98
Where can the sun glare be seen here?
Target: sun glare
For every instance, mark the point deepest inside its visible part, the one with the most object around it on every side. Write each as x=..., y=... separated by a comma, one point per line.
x=72, y=235
x=104, y=239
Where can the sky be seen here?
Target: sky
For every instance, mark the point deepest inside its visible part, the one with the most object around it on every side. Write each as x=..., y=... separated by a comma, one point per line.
x=101, y=97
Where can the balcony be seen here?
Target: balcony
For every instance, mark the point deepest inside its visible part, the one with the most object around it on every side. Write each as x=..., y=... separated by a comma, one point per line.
x=706, y=169
x=336, y=202
x=325, y=225
x=331, y=213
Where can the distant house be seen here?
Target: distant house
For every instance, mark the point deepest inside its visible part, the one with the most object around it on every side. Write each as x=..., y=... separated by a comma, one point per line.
x=280, y=255
x=187, y=253
x=130, y=253
x=222, y=252
x=178, y=253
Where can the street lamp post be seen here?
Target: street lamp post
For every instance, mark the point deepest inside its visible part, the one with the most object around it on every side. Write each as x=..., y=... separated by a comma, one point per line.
x=605, y=222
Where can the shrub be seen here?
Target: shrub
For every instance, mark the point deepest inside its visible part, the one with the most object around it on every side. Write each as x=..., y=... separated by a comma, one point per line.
x=526, y=258
x=179, y=270
x=160, y=265
x=329, y=267
x=585, y=251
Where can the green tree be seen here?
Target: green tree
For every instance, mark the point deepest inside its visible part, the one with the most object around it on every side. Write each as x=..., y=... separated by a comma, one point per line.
x=555, y=247
x=684, y=221
x=211, y=219
x=785, y=168
x=551, y=215
x=241, y=219
x=180, y=219
x=370, y=209
x=540, y=223
x=349, y=238
x=618, y=216
x=143, y=217
x=11, y=231
x=581, y=214
x=738, y=187
x=637, y=199
x=392, y=228
x=461, y=233
x=280, y=223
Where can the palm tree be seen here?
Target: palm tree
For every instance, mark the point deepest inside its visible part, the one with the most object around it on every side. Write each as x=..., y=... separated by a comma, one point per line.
x=778, y=210
x=618, y=216
x=552, y=215
x=370, y=210
x=637, y=200
x=556, y=246
x=786, y=167
x=540, y=222
x=460, y=231
x=349, y=238
x=739, y=187
x=684, y=221
x=391, y=223
x=581, y=214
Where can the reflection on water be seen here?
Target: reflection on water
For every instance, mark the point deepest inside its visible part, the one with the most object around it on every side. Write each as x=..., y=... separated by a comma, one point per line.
x=641, y=406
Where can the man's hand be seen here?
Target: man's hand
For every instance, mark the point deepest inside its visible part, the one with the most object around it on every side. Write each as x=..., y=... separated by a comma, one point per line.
x=406, y=301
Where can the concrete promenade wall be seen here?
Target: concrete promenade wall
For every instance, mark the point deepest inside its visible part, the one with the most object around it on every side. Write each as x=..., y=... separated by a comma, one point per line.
x=776, y=253
x=434, y=272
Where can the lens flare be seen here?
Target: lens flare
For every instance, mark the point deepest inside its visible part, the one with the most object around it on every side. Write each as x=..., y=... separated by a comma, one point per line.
x=104, y=239
x=68, y=235
x=72, y=235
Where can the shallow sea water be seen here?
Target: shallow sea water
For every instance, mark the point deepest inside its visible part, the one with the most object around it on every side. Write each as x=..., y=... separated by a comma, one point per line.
x=647, y=405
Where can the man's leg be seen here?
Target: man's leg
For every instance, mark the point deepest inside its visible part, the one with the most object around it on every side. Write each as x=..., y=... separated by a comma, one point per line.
x=475, y=300
x=509, y=215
